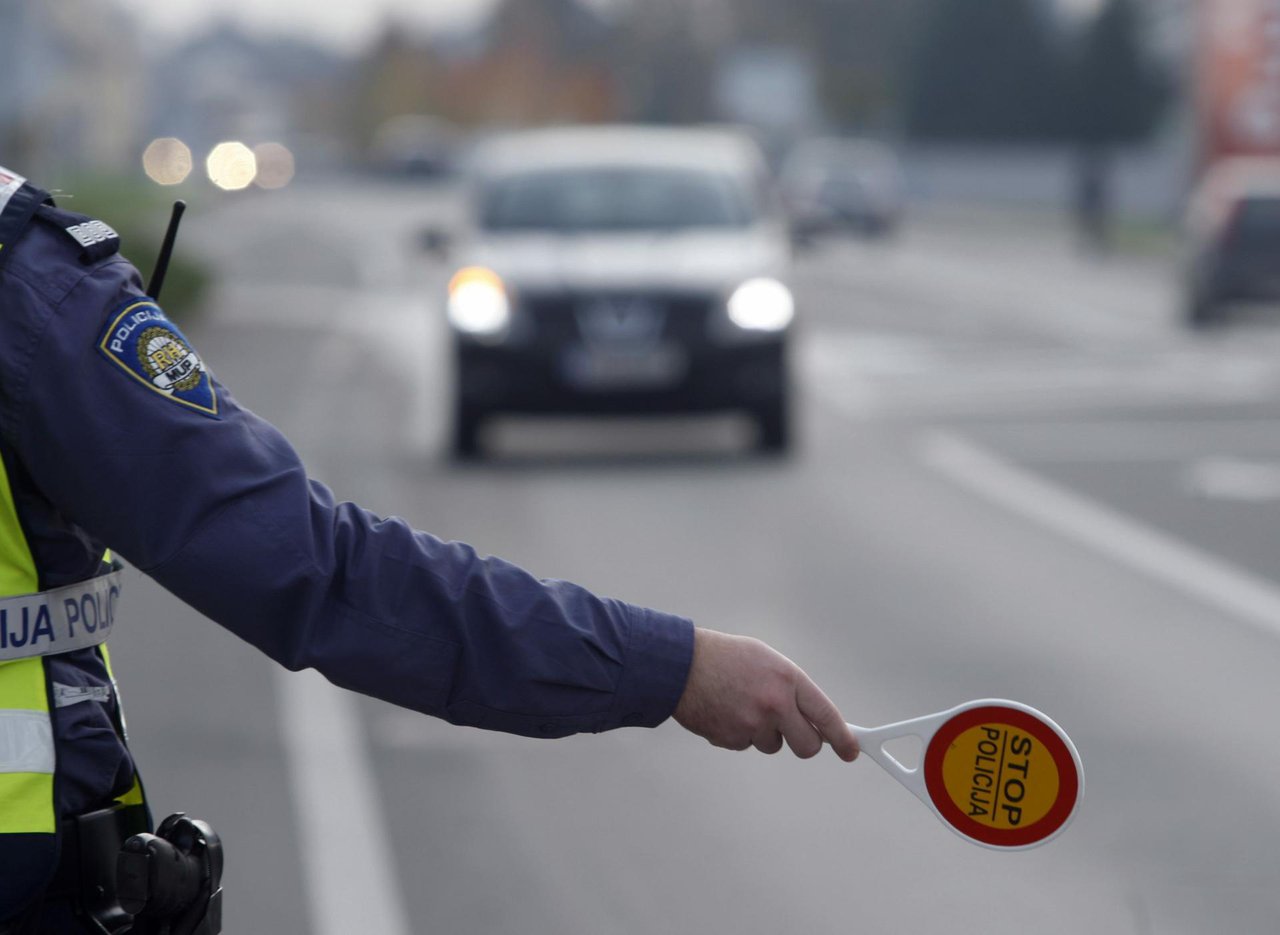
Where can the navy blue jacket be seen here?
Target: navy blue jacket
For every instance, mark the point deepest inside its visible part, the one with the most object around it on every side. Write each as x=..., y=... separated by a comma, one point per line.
x=114, y=434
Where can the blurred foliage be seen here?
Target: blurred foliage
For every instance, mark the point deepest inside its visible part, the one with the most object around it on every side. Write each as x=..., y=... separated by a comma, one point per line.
x=1137, y=237
x=859, y=48
x=1114, y=95
x=139, y=212
x=541, y=61
x=997, y=71
x=984, y=70
x=971, y=71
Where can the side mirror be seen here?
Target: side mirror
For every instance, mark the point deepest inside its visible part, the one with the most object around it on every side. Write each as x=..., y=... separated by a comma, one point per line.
x=803, y=236
x=435, y=240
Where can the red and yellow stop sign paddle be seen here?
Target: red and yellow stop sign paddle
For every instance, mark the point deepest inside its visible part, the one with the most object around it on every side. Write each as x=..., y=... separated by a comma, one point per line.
x=996, y=772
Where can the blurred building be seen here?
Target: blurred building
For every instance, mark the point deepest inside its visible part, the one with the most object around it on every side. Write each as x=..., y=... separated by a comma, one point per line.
x=73, y=85
x=227, y=85
x=539, y=61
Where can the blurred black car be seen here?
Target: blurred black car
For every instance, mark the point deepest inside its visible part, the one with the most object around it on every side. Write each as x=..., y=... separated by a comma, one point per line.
x=621, y=270
x=1233, y=240
x=839, y=185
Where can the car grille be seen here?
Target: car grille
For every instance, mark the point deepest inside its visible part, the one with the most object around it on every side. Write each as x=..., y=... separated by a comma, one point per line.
x=609, y=317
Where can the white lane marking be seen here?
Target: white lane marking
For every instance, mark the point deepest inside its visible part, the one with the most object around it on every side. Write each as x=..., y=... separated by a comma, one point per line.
x=1235, y=479
x=1114, y=441
x=871, y=373
x=417, y=347
x=345, y=851
x=351, y=882
x=1126, y=540
x=1087, y=306
x=832, y=375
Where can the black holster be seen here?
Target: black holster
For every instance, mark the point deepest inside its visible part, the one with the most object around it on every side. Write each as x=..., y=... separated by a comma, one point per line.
x=86, y=874
x=119, y=878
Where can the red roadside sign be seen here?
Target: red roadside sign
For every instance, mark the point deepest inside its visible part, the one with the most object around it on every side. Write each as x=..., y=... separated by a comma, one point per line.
x=1237, y=87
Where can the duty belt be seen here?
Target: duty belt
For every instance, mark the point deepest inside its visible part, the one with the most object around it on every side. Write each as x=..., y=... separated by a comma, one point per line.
x=59, y=620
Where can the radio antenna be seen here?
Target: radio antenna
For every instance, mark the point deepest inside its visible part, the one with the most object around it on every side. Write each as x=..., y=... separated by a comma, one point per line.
x=166, y=251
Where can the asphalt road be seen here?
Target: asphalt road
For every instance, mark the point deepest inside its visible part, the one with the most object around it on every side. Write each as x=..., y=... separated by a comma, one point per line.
x=1018, y=478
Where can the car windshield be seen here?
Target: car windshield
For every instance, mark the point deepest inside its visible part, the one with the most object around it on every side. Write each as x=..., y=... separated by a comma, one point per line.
x=616, y=199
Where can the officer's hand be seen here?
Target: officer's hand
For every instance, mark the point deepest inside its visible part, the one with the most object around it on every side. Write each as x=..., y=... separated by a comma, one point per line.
x=741, y=693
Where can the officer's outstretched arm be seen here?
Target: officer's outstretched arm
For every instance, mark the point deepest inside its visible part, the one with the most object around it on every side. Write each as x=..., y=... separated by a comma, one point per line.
x=114, y=416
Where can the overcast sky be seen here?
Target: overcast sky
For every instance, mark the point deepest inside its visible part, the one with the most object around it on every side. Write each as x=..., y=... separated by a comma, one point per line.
x=344, y=24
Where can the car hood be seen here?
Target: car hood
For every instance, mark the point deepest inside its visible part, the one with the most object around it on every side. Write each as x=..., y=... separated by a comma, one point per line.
x=695, y=261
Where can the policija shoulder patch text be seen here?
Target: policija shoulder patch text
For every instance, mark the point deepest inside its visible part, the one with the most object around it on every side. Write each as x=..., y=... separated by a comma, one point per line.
x=142, y=342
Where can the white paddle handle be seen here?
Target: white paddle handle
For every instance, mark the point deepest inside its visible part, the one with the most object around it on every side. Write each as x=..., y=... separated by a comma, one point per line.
x=872, y=741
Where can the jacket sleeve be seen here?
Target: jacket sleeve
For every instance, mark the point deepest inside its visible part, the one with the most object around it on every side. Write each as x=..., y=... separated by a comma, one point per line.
x=220, y=511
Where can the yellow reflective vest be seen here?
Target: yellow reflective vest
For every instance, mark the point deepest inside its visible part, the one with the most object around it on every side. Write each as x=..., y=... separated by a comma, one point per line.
x=29, y=823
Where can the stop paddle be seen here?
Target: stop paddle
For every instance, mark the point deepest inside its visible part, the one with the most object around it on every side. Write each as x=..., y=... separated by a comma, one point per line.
x=998, y=773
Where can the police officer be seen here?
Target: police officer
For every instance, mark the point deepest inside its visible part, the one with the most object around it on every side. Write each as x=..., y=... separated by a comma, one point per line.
x=115, y=436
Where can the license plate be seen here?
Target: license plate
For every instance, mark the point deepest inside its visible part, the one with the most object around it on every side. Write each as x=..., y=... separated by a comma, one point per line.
x=591, y=368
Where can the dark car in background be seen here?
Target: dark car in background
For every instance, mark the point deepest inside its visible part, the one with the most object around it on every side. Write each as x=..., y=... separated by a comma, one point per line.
x=1233, y=240
x=415, y=145
x=621, y=270
x=842, y=185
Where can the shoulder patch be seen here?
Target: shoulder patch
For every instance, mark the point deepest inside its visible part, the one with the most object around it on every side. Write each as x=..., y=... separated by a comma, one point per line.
x=142, y=342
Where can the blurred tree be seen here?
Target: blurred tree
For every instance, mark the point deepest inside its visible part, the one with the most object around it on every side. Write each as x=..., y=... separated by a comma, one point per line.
x=1115, y=95
x=399, y=75
x=760, y=21
x=984, y=71
x=547, y=61
x=665, y=52
x=854, y=44
x=673, y=49
x=861, y=46
x=532, y=62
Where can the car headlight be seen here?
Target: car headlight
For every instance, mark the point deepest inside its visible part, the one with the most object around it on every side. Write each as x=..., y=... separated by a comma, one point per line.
x=762, y=305
x=478, y=302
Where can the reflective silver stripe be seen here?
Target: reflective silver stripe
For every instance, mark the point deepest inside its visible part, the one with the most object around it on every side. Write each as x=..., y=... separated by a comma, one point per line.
x=10, y=182
x=26, y=742
x=64, y=695
x=59, y=620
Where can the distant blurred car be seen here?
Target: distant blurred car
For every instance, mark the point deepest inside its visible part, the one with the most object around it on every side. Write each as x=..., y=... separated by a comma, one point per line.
x=622, y=270
x=832, y=185
x=415, y=144
x=1233, y=239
